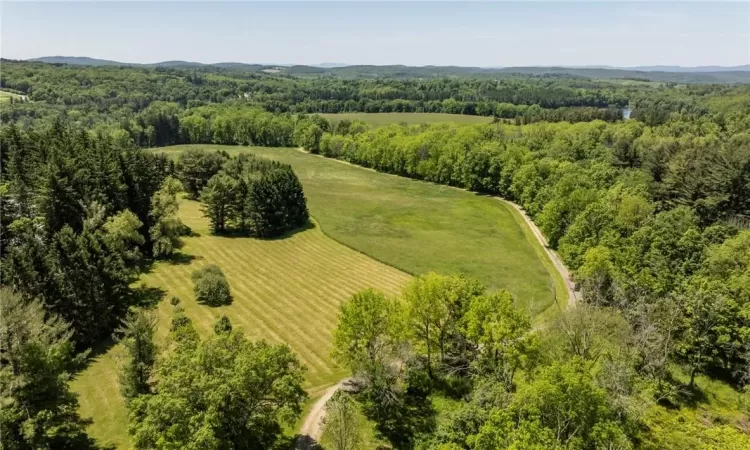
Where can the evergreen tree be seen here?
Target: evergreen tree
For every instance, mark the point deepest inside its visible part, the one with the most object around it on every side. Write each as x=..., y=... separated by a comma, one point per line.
x=137, y=336
x=218, y=198
x=39, y=410
x=165, y=233
x=278, y=202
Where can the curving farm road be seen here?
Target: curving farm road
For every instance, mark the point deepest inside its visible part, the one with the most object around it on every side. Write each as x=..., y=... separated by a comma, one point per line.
x=312, y=426
x=553, y=256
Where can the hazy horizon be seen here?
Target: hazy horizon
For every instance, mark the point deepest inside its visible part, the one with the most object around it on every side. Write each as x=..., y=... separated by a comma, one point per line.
x=344, y=64
x=504, y=34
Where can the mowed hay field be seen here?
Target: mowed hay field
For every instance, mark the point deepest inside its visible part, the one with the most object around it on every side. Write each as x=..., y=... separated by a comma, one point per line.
x=284, y=290
x=419, y=227
x=382, y=119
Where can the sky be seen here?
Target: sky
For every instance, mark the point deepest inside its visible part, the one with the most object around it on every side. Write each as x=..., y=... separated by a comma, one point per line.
x=420, y=33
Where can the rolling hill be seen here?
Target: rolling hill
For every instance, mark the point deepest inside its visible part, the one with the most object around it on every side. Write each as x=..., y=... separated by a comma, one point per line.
x=671, y=74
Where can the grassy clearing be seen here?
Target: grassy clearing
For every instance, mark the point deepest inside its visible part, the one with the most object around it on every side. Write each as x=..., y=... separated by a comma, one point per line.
x=6, y=96
x=284, y=290
x=420, y=227
x=720, y=418
x=382, y=119
x=288, y=290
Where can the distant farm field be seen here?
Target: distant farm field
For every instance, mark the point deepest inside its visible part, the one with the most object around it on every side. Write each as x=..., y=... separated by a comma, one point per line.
x=382, y=119
x=284, y=290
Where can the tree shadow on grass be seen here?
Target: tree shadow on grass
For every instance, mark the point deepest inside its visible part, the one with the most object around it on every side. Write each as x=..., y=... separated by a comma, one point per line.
x=187, y=231
x=455, y=387
x=676, y=393
x=692, y=396
x=147, y=296
x=180, y=259
x=306, y=442
x=309, y=225
x=177, y=258
x=91, y=355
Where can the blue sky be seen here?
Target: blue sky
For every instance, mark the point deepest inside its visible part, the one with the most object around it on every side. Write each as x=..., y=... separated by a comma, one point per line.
x=418, y=33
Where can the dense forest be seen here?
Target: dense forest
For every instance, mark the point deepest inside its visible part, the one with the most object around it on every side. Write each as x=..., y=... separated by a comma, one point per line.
x=82, y=217
x=113, y=96
x=737, y=74
x=650, y=214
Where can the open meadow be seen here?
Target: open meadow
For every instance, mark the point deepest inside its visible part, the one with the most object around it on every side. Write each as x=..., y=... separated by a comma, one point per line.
x=284, y=290
x=420, y=227
x=5, y=96
x=288, y=290
x=383, y=119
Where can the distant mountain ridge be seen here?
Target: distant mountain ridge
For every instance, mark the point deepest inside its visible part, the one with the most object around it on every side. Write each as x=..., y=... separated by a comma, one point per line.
x=675, y=69
x=87, y=61
x=665, y=74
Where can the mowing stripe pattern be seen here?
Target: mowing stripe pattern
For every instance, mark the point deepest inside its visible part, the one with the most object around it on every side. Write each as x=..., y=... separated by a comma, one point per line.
x=284, y=290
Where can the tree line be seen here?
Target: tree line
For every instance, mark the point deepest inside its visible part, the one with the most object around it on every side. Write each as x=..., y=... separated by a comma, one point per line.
x=111, y=97
x=80, y=216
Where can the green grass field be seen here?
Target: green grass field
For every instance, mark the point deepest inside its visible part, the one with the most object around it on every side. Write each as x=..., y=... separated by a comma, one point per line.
x=6, y=96
x=420, y=227
x=284, y=290
x=288, y=290
x=382, y=119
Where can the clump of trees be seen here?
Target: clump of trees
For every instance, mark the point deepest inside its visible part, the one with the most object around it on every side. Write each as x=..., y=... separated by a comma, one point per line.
x=221, y=392
x=211, y=286
x=246, y=194
x=586, y=380
x=77, y=221
x=195, y=167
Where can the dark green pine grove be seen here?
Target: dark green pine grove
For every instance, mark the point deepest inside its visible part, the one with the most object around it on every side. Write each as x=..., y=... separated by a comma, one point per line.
x=246, y=194
x=82, y=216
x=75, y=223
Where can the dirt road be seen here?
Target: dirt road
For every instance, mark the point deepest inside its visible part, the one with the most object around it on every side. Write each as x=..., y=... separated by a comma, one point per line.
x=312, y=426
x=573, y=295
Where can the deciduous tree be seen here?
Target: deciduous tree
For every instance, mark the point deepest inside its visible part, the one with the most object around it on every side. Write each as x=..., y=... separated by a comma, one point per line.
x=225, y=392
x=341, y=424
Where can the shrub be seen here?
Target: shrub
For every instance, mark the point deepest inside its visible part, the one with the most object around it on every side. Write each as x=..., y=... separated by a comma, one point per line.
x=211, y=287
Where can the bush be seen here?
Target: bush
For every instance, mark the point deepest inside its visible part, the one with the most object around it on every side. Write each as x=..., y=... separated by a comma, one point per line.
x=211, y=287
